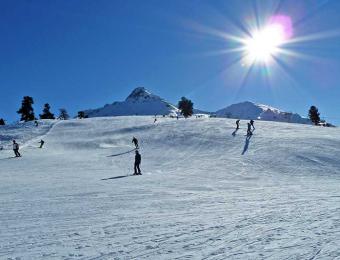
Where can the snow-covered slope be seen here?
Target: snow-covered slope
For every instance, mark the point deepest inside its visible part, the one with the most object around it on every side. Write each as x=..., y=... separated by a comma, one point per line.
x=249, y=110
x=139, y=102
x=204, y=194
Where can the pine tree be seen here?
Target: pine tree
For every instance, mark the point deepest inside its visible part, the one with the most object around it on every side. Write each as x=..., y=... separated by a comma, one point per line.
x=2, y=121
x=186, y=106
x=26, y=110
x=314, y=115
x=63, y=115
x=46, y=112
x=81, y=114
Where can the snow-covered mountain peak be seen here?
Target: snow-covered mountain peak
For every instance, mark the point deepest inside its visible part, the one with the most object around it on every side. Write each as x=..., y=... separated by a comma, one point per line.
x=250, y=110
x=140, y=94
x=139, y=102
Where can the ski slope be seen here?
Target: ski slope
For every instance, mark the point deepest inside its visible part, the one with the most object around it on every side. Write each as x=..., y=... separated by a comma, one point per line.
x=204, y=193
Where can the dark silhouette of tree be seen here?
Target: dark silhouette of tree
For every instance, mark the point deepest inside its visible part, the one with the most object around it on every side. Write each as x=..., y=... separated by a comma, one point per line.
x=63, y=115
x=26, y=110
x=81, y=115
x=2, y=121
x=186, y=106
x=314, y=115
x=46, y=112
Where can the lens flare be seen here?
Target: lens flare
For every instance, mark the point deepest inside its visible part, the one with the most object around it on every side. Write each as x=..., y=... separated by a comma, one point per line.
x=265, y=43
x=262, y=43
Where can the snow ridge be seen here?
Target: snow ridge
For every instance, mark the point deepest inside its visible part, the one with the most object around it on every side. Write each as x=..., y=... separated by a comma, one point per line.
x=143, y=102
x=250, y=110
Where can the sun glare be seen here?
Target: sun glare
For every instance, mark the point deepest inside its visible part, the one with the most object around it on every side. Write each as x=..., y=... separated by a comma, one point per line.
x=264, y=44
x=267, y=42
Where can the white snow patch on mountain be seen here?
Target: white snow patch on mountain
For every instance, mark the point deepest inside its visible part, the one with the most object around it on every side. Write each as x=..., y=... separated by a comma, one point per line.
x=139, y=102
x=249, y=110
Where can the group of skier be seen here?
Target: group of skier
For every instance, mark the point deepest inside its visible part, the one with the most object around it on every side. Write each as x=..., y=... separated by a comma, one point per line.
x=138, y=157
x=250, y=126
x=16, y=147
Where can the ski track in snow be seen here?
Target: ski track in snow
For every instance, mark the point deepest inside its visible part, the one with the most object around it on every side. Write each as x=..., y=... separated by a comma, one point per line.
x=198, y=197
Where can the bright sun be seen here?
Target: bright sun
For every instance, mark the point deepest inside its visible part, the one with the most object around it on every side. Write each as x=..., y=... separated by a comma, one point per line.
x=264, y=44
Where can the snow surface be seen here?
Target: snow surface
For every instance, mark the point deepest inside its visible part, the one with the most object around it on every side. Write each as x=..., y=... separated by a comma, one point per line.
x=139, y=102
x=249, y=110
x=204, y=193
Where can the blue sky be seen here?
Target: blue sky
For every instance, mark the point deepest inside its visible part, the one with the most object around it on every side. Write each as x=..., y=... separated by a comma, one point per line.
x=80, y=54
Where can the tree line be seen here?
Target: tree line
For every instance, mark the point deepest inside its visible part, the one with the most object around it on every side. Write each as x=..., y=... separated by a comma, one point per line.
x=186, y=106
x=26, y=112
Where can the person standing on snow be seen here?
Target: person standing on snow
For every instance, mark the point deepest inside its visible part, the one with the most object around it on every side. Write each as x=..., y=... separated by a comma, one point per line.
x=135, y=141
x=249, y=133
x=41, y=143
x=252, y=124
x=138, y=160
x=237, y=124
x=16, y=149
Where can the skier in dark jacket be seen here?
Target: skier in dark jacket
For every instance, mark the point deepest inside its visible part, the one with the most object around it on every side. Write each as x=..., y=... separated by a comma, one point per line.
x=237, y=124
x=249, y=133
x=41, y=143
x=138, y=160
x=16, y=149
x=252, y=124
x=135, y=141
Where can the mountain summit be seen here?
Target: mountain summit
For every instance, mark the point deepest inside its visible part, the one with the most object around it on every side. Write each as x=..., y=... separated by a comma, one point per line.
x=141, y=94
x=139, y=102
x=249, y=110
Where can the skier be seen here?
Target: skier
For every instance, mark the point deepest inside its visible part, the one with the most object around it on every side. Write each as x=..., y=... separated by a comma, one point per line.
x=36, y=123
x=155, y=120
x=252, y=124
x=138, y=160
x=41, y=143
x=249, y=133
x=135, y=141
x=16, y=149
x=237, y=124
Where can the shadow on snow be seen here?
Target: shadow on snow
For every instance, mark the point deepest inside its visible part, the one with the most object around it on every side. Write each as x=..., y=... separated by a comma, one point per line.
x=234, y=133
x=246, y=144
x=116, y=177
